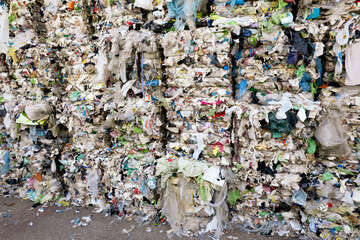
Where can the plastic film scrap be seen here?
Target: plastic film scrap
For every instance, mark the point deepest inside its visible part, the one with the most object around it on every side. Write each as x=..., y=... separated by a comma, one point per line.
x=210, y=115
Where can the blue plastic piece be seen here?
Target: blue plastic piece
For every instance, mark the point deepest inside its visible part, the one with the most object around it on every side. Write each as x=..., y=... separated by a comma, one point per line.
x=6, y=168
x=241, y=89
x=181, y=9
x=314, y=14
x=143, y=188
x=305, y=82
x=237, y=2
x=320, y=70
x=293, y=56
x=152, y=83
x=247, y=33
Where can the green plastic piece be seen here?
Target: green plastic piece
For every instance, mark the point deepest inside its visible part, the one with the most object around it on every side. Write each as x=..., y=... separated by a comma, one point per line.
x=276, y=134
x=253, y=40
x=338, y=228
x=345, y=171
x=312, y=146
x=11, y=18
x=137, y=130
x=300, y=71
x=281, y=125
x=327, y=176
x=203, y=193
x=234, y=196
x=263, y=213
x=74, y=96
x=282, y=4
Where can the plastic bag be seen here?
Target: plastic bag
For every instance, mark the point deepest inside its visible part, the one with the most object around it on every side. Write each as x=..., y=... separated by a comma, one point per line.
x=120, y=92
x=53, y=6
x=92, y=183
x=351, y=64
x=55, y=185
x=241, y=89
x=282, y=125
x=38, y=111
x=184, y=10
x=342, y=37
x=127, y=114
x=311, y=146
x=234, y=195
x=174, y=203
x=299, y=197
x=4, y=29
x=145, y=4
x=221, y=209
x=338, y=53
x=344, y=93
x=331, y=135
x=103, y=72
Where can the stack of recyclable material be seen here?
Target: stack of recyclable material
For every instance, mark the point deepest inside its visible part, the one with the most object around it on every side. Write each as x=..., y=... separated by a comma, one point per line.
x=282, y=135
x=82, y=60
x=198, y=151
x=272, y=152
x=267, y=135
x=70, y=70
x=199, y=93
x=94, y=111
x=30, y=168
x=262, y=58
x=134, y=123
x=337, y=131
x=31, y=146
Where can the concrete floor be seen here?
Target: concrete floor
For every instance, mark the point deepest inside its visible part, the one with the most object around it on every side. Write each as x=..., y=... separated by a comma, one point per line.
x=19, y=221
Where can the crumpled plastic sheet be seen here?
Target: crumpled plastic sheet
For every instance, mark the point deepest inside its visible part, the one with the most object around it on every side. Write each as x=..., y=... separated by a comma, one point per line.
x=209, y=114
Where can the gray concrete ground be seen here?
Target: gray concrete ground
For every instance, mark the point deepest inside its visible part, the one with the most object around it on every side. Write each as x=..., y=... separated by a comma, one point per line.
x=19, y=221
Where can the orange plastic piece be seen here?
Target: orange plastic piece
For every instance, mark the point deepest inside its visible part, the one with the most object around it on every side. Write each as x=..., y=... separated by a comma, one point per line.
x=71, y=5
x=324, y=86
x=38, y=177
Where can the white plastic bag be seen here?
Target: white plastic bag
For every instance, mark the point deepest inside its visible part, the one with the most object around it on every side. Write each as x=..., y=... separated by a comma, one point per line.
x=53, y=6
x=331, y=135
x=352, y=64
x=4, y=30
x=342, y=36
x=38, y=111
x=145, y=4
x=92, y=182
x=103, y=72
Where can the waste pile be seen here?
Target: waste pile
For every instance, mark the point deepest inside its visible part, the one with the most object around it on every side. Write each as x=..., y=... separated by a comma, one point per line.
x=292, y=138
x=197, y=98
x=209, y=114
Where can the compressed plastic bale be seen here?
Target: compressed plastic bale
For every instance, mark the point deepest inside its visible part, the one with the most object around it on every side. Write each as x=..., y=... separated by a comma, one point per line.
x=178, y=203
